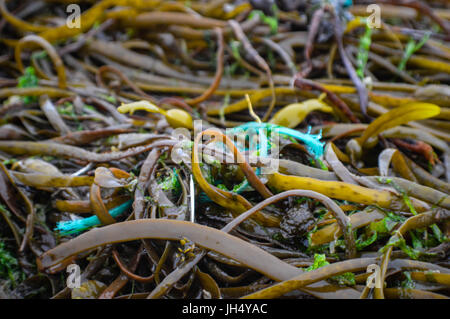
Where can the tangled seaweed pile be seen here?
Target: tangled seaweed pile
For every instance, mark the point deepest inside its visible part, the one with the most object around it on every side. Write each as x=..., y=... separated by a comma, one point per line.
x=93, y=171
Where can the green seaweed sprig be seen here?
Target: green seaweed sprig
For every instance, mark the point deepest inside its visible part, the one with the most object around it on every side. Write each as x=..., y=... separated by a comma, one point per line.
x=171, y=182
x=272, y=22
x=28, y=80
x=363, y=52
x=411, y=48
x=9, y=266
x=346, y=279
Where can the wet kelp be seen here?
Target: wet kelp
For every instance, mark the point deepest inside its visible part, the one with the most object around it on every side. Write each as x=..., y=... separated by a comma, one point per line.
x=225, y=149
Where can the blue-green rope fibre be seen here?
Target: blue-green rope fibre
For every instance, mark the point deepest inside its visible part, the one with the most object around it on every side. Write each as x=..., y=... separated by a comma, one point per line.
x=76, y=226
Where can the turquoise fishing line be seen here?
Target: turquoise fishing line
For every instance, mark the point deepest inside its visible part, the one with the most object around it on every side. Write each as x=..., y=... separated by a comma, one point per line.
x=76, y=226
x=312, y=141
